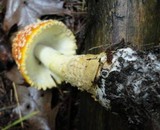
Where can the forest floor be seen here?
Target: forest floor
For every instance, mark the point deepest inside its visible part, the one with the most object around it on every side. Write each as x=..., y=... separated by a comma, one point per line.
x=57, y=108
x=73, y=14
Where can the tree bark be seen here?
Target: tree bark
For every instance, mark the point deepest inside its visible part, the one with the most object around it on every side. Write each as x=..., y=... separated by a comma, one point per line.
x=110, y=22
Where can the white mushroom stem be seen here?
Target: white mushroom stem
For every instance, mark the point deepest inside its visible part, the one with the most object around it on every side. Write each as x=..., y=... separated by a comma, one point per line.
x=78, y=70
x=51, y=58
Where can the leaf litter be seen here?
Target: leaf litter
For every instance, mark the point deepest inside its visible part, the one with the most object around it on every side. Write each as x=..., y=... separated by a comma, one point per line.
x=56, y=113
x=15, y=15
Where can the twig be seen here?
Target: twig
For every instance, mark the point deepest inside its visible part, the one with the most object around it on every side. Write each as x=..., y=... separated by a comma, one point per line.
x=97, y=47
x=5, y=108
x=111, y=46
x=2, y=86
x=17, y=100
x=83, y=5
x=20, y=120
x=11, y=95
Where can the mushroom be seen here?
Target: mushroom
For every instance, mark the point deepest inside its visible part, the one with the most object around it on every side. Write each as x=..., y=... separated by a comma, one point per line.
x=45, y=55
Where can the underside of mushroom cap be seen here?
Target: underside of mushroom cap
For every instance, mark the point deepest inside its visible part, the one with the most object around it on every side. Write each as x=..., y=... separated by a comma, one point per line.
x=52, y=33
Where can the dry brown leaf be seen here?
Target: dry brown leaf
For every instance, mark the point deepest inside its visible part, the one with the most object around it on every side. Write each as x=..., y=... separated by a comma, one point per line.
x=30, y=100
x=14, y=75
x=24, y=12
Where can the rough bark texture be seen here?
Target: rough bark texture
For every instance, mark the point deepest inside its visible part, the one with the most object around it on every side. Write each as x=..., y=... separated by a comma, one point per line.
x=109, y=22
x=135, y=21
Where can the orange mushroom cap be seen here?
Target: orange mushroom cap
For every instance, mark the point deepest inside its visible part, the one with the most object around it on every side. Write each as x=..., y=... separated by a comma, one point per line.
x=50, y=32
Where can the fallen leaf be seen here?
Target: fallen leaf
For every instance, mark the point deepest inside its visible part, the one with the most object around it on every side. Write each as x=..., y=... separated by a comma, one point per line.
x=24, y=12
x=30, y=100
x=14, y=75
x=6, y=59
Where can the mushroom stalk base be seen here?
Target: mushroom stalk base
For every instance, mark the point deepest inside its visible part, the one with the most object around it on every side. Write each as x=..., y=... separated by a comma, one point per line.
x=78, y=70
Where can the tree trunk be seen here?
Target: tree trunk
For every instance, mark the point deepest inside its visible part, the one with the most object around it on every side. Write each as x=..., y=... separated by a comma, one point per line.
x=110, y=22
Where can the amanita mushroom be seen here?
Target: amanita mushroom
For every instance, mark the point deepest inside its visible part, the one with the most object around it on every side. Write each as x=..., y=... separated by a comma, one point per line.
x=45, y=54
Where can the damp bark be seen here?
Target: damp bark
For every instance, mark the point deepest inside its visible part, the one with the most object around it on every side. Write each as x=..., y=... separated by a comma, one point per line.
x=134, y=21
x=110, y=22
